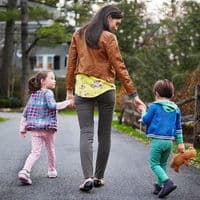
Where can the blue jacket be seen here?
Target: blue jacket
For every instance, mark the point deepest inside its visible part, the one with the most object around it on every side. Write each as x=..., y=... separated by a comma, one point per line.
x=163, y=120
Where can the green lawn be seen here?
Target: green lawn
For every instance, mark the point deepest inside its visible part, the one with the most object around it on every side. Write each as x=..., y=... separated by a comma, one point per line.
x=67, y=112
x=71, y=112
x=3, y=119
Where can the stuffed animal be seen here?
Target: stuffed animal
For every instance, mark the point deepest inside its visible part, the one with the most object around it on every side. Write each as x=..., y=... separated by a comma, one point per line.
x=183, y=158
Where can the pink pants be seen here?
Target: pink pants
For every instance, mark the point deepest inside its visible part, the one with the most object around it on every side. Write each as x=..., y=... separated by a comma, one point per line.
x=38, y=137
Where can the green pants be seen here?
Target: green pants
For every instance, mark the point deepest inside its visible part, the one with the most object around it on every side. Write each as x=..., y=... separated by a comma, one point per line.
x=159, y=153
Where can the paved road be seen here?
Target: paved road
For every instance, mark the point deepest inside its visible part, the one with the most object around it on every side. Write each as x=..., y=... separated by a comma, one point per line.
x=128, y=176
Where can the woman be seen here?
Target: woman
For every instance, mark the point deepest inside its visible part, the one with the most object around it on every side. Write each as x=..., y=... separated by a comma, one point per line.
x=94, y=60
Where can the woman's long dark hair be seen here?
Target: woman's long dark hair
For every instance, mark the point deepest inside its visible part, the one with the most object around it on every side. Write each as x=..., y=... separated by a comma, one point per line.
x=99, y=23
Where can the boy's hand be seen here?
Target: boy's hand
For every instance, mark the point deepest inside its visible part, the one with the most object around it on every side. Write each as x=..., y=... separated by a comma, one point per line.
x=181, y=147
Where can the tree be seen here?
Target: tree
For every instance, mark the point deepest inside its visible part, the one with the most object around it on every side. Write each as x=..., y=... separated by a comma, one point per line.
x=166, y=49
x=79, y=12
x=7, y=58
x=24, y=47
x=130, y=31
x=57, y=34
x=186, y=40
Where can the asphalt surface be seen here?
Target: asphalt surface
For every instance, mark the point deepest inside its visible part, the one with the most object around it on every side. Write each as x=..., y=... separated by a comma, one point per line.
x=128, y=175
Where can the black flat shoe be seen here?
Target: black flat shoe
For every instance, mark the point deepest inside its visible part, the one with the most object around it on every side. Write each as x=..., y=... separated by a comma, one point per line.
x=87, y=185
x=98, y=182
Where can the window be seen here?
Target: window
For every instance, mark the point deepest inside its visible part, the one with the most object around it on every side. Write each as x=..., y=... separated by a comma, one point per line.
x=49, y=62
x=56, y=62
x=46, y=62
x=33, y=62
x=39, y=62
x=66, y=60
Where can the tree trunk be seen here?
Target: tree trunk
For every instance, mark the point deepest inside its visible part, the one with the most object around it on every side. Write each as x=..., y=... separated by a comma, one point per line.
x=24, y=47
x=197, y=118
x=7, y=54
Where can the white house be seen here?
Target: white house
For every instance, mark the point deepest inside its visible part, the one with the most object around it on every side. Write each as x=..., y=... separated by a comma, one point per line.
x=50, y=58
x=41, y=58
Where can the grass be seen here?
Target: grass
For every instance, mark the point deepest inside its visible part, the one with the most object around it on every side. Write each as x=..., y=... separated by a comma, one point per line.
x=130, y=131
x=68, y=112
x=3, y=119
x=72, y=112
x=141, y=136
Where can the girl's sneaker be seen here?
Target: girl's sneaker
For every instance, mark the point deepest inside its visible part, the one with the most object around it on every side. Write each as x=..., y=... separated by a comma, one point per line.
x=87, y=185
x=52, y=174
x=24, y=177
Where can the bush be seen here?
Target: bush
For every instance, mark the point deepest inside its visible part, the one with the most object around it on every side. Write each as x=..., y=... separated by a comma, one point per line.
x=4, y=103
x=60, y=91
x=11, y=102
x=15, y=102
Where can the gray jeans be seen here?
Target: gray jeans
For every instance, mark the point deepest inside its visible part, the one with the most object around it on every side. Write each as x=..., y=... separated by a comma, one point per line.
x=85, y=109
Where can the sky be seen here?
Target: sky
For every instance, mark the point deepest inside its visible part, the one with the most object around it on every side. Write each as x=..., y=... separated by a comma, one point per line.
x=153, y=7
x=155, y=4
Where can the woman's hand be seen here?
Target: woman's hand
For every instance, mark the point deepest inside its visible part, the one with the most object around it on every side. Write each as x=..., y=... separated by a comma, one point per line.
x=140, y=106
x=70, y=97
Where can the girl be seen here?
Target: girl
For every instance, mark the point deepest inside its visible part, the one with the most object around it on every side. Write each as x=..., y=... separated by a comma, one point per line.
x=39, y=117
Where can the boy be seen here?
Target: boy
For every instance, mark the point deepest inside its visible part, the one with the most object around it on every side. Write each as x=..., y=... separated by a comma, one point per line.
x=163, y=120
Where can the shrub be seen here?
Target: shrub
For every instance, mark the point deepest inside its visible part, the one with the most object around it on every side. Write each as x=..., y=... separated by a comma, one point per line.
x=11, y=102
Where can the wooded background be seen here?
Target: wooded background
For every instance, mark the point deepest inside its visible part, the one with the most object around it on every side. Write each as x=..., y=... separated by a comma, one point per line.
x=152, y=50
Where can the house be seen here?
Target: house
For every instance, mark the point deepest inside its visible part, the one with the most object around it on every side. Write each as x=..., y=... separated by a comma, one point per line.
x=41, y=58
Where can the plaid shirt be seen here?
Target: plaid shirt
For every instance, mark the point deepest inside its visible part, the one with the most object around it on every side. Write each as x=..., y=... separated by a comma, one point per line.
x=40, y=111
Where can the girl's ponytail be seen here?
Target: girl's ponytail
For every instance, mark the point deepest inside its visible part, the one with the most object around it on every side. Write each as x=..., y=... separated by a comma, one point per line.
x=34, y=84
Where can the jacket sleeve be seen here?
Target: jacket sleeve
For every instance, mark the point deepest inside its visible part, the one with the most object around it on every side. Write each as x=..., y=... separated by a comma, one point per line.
x=71, y=64
x=51, y=103
x=23, y=121
x=117, y=62
x=179, y=134
x=148, y=116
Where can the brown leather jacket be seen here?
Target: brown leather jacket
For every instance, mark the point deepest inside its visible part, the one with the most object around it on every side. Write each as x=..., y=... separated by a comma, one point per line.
x=103, y=63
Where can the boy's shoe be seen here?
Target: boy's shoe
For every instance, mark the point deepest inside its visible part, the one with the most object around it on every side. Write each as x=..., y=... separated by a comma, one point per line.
x=52, y=174
x=87, y=185
x=157, y=188
x=98, y=182
x=24, y=177
x=168, y=187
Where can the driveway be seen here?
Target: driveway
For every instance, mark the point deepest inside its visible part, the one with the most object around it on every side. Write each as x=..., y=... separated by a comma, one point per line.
x=128, y=175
